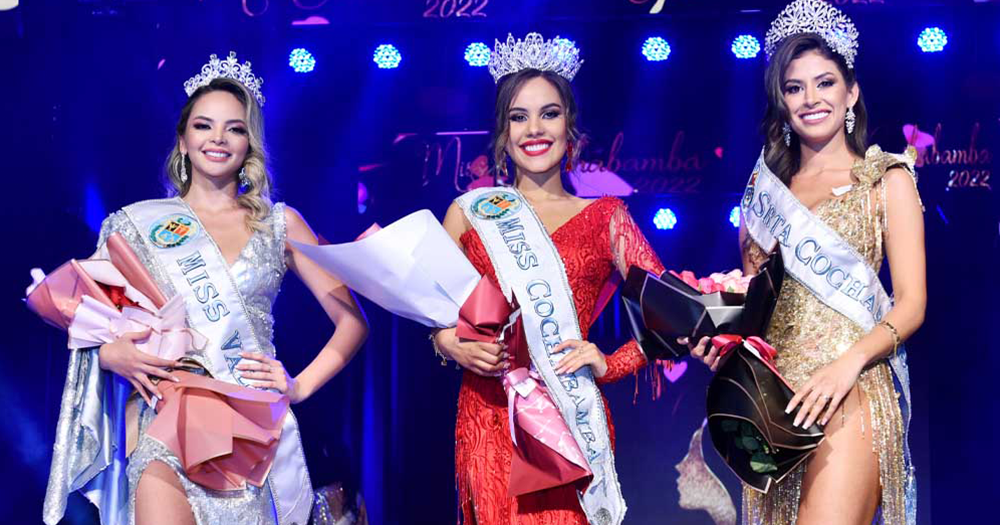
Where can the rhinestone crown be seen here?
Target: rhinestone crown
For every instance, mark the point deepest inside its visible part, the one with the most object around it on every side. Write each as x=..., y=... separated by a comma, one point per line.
x=815, y=16
x=558, y=55
x=228, y=68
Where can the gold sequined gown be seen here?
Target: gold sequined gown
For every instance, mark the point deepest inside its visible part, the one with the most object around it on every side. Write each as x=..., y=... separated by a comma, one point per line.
x=808, y=335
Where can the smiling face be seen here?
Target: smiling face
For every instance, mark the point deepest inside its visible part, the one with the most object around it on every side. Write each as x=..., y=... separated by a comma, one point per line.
x=537, y=132
x=216, y=138
x=817, y=97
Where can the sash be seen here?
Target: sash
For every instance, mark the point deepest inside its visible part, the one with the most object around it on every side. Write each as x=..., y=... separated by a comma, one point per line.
x=815, y=255
x=529, y=268
x=830, y=268
x=198, y=271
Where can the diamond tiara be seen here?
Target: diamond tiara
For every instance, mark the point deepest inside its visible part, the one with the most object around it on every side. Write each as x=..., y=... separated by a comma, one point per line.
x=558, y=55
x=228, y=68
x=815, y=16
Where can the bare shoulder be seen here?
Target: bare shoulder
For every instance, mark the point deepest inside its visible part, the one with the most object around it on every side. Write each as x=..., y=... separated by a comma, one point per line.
x=294, y=219
x=297, y=227
x=897, y=173
x=899, y=179
x=455, y=222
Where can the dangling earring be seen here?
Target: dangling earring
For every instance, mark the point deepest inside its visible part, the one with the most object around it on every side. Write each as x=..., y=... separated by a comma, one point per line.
x=850, y=119
x=502, y=168
x=184, y=173
x=788, y=134
x=569, y=157
x=244, y=180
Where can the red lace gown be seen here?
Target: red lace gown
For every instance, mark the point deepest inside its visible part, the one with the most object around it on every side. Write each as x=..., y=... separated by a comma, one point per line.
x=599, y=240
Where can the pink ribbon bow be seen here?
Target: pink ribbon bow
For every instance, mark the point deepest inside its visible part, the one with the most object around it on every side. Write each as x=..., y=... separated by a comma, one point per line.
x=726, y=343
x=94, y=324
x=546, y=455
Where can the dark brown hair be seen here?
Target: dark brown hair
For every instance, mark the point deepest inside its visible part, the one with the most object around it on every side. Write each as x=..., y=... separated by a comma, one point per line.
x=508, y=88
x=784, y=161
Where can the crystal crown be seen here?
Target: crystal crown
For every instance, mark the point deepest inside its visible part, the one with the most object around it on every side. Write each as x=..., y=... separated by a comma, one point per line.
x=558, y=55
x=228, y=68
x=815, y=16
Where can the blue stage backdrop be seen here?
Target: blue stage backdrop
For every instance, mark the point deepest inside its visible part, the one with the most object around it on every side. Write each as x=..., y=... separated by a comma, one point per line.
x=90, y=95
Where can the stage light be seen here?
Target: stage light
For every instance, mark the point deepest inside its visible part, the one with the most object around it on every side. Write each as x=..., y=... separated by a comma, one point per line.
x=932, y=40
x=387, y=56
x=301, y=60
x=734, y=217
x=746, y=46
x=656, y=49
x=664, y=219
x=94, y=210
x=477, y=54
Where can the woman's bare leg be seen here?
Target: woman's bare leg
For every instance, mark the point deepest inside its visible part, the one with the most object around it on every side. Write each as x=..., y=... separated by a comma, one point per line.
x=841, y=483
x=160, y=498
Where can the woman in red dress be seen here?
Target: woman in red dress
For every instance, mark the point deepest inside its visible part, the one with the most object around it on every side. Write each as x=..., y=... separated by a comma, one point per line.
x=536, y=126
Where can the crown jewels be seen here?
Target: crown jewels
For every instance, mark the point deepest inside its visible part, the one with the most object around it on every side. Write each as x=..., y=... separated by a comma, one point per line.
x=558, y=55
x=815, y=16
x=228, y=68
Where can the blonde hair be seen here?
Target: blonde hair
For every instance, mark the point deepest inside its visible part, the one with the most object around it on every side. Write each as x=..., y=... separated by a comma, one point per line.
x=256, y=198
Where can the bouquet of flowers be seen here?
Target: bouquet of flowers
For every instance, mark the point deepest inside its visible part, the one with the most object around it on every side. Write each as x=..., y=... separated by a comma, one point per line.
x=747, y=397
x=225, y=435
x=731, y=282
x=414, y=269
x=662, y=309
x=746, y=414
x=98, y=300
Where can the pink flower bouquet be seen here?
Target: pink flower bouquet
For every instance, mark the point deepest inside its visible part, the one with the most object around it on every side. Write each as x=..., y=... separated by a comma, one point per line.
x=662, y=309
x=732, y=282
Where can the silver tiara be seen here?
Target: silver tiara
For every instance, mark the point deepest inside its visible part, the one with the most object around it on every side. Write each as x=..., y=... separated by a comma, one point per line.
x=558, y=55
x=815, y=16
x=228, y=68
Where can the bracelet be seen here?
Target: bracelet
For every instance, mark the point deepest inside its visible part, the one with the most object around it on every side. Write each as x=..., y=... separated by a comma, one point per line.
x=896, y=340
x=437, y=351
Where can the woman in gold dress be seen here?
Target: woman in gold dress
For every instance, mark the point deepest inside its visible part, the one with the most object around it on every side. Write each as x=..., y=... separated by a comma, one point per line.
x=849, y=379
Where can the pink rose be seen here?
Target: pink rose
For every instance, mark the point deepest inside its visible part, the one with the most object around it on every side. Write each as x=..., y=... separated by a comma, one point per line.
x=688, y=277
x=733, y=281
x=708, y=286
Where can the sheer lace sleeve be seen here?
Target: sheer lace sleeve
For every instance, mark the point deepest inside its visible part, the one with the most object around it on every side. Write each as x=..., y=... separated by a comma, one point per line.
x=628, y=248
x=628, y=245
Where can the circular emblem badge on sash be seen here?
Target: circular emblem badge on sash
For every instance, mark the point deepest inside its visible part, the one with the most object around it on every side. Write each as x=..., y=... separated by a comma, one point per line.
x=173, y=230
x=496, y=205
x=748, y=194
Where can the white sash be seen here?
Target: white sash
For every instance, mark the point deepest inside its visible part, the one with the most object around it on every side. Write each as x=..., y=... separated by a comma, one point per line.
x=814, y=254
x=199, y=272
x=528, y=266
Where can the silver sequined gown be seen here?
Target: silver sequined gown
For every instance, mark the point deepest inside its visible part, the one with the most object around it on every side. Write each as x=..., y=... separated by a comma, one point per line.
x=258, y=273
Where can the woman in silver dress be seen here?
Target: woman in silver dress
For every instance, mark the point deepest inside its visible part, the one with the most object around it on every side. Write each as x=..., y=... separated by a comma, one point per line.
x=231, y=246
